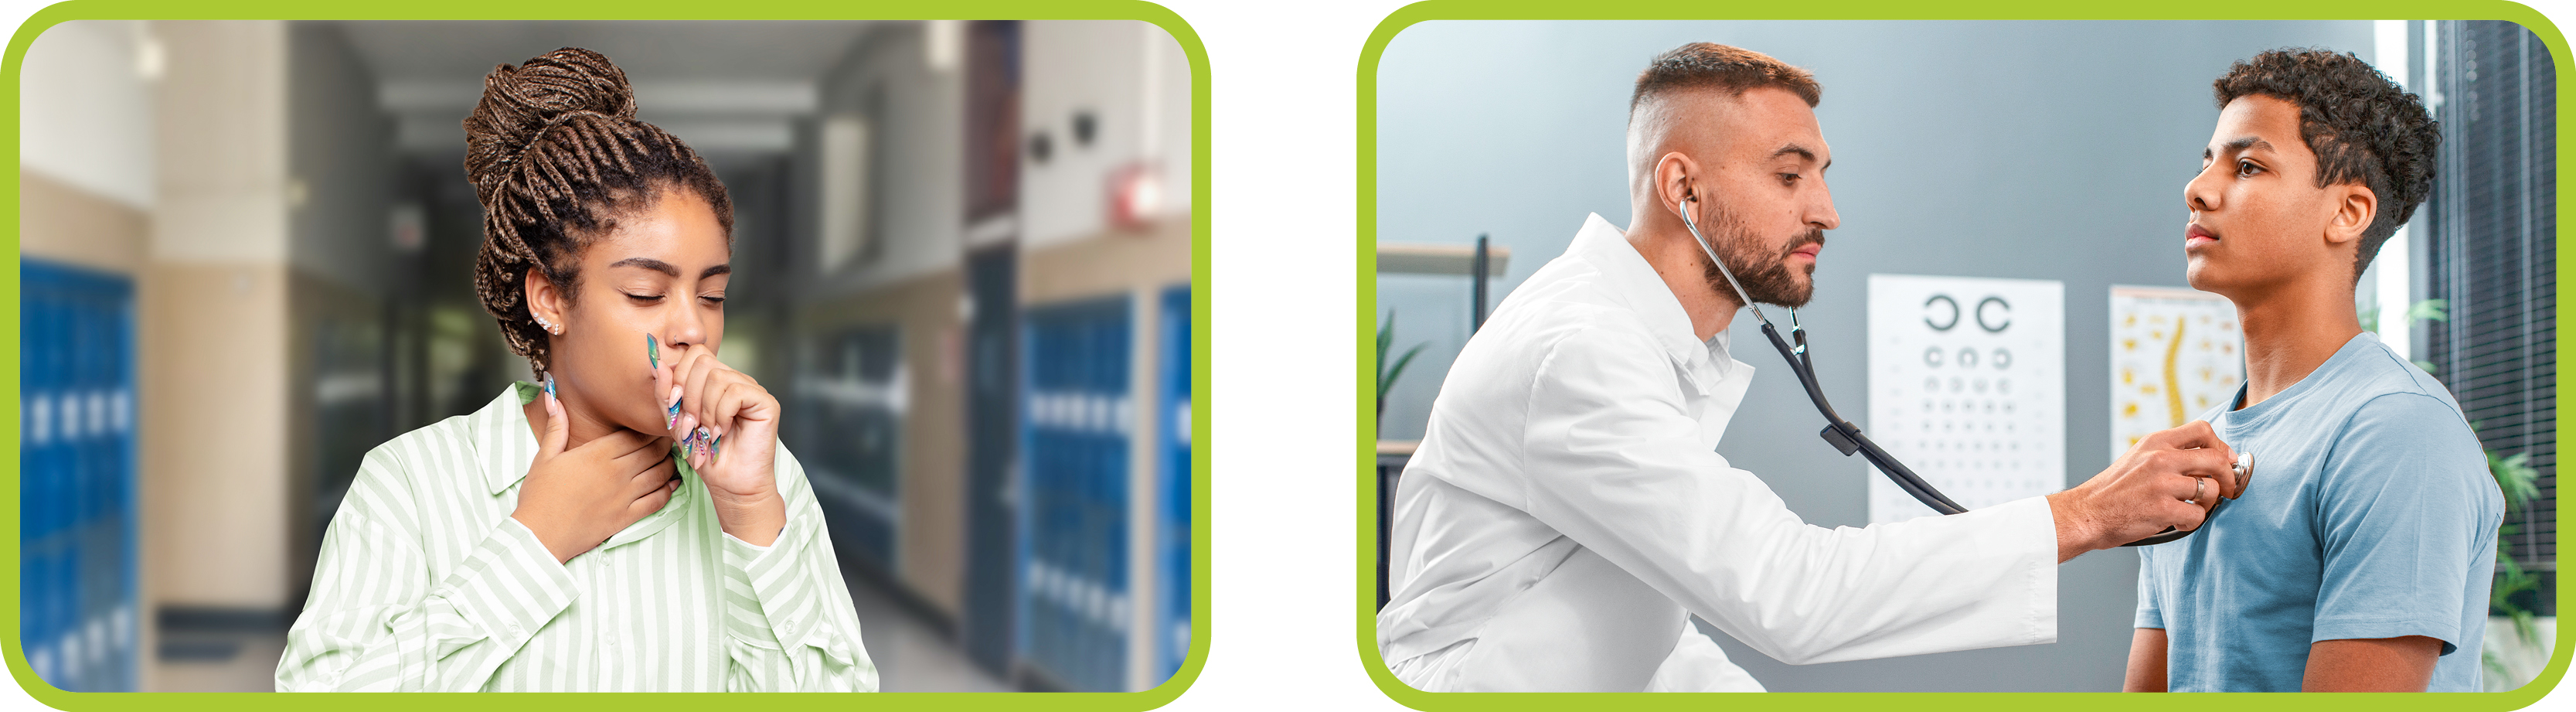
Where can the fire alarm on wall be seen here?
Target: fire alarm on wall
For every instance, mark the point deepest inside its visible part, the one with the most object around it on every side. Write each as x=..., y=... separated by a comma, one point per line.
x=1135, y=195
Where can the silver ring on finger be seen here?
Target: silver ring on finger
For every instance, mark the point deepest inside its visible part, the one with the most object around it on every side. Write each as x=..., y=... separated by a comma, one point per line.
x=2199, y=486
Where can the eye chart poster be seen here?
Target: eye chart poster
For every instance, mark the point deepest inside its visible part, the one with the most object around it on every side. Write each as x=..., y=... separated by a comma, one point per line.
x=1967, y=386
x=2175, y=354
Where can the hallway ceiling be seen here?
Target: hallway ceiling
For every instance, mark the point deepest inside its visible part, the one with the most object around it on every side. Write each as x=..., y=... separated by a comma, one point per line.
x=729, y=88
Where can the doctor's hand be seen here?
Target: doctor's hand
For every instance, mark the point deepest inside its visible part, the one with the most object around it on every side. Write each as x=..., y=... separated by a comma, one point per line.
x=2169, y=479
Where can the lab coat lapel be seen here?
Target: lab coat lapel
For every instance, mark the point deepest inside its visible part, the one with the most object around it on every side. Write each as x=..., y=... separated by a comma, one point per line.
x=1634, y=282
x=1727, y=380
x=1716, y=379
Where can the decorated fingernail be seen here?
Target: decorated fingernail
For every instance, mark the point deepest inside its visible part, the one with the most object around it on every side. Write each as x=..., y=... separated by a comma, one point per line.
x=715, y=446
x=653, y=350
x=550, y=385
x=672, y=417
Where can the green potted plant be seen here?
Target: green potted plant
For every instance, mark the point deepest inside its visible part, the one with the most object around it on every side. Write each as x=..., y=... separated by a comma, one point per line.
x=1386, y=372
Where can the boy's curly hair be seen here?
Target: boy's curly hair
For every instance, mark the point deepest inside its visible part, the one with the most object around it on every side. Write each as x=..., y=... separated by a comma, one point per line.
x=2362, y=127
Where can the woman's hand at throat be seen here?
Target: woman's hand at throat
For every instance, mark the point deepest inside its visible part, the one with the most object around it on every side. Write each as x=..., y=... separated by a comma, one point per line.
x=726, y=425
x=574, y=498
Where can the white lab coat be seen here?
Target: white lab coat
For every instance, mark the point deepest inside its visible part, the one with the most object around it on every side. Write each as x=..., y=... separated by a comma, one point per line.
x=1567, y=512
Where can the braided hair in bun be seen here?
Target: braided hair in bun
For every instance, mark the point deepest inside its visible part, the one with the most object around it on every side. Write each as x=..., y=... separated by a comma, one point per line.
x=556, y=155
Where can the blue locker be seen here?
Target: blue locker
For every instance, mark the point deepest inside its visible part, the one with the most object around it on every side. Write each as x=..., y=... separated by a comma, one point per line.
x=848, y=429
x=1173, y=437
x=1076, y=416
x=78, y=610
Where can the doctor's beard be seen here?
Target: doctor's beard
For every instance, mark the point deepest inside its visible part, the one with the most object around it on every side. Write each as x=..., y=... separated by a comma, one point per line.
x=1766, y=278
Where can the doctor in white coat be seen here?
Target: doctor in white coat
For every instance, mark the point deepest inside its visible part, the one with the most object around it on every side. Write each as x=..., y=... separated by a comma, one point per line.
x=1567, y=512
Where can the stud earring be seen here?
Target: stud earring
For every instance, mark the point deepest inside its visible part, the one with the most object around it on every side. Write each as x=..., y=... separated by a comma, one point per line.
x=547, y=325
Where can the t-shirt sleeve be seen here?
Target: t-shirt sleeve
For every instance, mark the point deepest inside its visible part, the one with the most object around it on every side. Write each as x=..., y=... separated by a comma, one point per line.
x=2403, y=498
x=2150, y=615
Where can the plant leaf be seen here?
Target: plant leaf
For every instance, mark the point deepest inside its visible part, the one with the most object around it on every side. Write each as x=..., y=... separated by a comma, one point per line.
x=1385, y=335
x=2514, y=474
x=2432, y=309
x=1400, y=362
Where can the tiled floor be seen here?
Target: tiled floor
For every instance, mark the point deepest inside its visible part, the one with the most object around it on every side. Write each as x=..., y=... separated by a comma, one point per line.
x=252, y=667
x=910, y=654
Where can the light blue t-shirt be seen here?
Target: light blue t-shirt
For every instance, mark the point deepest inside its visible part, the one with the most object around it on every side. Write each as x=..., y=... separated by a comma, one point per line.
x=2371, y=515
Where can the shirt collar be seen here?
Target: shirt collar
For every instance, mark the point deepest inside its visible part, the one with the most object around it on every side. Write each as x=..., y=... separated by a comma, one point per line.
x=509, y=448
x=501, y=429
x=1634, y=281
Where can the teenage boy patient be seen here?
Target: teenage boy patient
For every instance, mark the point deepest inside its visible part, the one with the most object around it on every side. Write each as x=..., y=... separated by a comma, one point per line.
x=2362, y=560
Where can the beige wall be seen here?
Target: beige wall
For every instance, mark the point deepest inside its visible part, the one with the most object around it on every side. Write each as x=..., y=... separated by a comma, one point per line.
x=214, y=335
x=59, y=222
x=1108, y=263
x=214, y=400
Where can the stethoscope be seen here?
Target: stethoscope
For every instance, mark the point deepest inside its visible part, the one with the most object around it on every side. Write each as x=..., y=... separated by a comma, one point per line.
x=1847, y=438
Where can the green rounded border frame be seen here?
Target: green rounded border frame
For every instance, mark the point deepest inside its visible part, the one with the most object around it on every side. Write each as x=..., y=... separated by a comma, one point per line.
x=1200, y=291
x=1366, y=318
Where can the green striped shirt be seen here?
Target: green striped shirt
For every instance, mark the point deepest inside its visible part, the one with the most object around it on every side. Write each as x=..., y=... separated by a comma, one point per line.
x=425, y=583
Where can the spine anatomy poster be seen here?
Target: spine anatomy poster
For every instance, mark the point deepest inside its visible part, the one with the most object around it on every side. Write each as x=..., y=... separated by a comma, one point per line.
x=2175, y=354
x=1967, y=387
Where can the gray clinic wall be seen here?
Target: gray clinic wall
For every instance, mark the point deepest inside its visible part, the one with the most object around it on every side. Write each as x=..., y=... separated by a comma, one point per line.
x=2034, y=150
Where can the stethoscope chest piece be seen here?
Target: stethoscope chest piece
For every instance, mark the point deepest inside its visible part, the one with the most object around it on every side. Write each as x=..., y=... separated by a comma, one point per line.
x=2244, y=471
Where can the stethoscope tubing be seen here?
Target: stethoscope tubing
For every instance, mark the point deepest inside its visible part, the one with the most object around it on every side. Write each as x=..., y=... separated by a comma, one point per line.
x=1896, y=471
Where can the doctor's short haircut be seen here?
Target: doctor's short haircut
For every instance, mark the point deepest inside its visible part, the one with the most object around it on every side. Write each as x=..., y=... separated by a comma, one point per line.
x=1734, y=70
x=2362, y=127
x=556, y=155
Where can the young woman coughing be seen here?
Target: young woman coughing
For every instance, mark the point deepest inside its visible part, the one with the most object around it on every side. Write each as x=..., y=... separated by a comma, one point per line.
x=633, y=523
